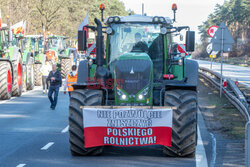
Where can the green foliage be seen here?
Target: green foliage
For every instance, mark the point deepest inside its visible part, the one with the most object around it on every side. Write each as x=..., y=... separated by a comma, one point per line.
x=57, y=16
x=236, y=15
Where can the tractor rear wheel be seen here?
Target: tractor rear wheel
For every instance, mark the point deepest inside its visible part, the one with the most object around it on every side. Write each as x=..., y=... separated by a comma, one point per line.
x=65, y=66
x=30, y=74
x=37, y=75
x=184, y=127
x=18, y=77
x=82, y=97
x=5, y=80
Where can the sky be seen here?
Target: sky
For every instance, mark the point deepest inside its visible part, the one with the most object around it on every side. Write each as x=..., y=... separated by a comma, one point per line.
x=190, y=13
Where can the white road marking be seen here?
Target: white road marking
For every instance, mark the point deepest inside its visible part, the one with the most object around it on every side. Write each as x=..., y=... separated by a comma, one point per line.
x=65, y=129
x=200, y=157
x=47, y=146
x=213, y=159
x=21, y=165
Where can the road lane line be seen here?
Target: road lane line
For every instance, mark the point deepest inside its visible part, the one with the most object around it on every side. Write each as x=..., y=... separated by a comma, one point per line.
x=47, y=146
x=200, y=157
x=21, y=165
x=65, y=129
x=213, y=160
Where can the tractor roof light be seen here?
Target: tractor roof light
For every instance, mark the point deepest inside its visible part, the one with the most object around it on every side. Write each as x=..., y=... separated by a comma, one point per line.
x=114, y=19
x=110, y=20
x=157, y=19
x=174, y=7
x=117, y=19
x=102, y=6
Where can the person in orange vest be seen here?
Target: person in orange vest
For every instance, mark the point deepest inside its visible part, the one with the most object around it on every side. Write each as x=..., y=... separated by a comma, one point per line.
x=70, y=80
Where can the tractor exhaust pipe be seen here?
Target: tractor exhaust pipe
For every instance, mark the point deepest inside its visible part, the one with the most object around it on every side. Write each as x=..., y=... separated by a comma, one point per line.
x=102, y=73
x=99, y=44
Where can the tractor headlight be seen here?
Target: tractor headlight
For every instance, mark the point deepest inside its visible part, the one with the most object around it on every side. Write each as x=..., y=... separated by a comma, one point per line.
x=140, y=97
x=90, y=62
x=143, y=94
x=122, y=95
x=109, y=30
x=180, y=62
x=163, y=30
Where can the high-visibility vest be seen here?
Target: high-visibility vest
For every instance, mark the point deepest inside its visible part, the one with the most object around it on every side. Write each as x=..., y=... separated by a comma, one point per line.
x=70, y=81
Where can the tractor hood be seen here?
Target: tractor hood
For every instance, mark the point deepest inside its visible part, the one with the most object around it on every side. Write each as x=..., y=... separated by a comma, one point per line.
x=134, y=72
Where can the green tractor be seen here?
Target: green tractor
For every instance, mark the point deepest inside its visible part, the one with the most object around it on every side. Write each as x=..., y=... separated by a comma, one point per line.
x=35, y=44
x=58, y=52
x=11, y=66
x=28, y=60
x=139, y=52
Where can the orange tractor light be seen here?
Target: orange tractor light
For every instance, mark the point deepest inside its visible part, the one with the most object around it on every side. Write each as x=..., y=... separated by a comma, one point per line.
x=102, y=6
x=174, y=6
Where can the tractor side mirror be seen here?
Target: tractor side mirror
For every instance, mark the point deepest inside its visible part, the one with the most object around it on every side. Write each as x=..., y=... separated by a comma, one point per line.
x=82, y=40
x=190, y=41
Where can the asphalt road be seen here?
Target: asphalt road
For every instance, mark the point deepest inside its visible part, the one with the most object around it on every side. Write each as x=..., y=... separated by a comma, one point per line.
x=32, y=135
x=232, y=71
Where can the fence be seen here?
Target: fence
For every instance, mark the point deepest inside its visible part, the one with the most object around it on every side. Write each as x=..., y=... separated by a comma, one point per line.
x=235, y=96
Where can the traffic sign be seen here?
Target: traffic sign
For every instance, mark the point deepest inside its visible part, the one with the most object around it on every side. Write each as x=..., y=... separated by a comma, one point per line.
x=210, y=50
x=222, y=39
x=211, y=30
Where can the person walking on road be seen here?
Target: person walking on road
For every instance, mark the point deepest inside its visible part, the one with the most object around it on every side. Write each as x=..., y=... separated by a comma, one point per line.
x=70, y=80
x=55, y=80
x=45, y=69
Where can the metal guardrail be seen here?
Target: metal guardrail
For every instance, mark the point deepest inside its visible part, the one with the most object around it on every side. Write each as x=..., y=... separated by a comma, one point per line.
x=236, y=97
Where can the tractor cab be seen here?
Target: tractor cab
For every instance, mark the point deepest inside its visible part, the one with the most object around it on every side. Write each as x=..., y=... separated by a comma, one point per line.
x=57, y=43
x=136, y=37
x=34, y=43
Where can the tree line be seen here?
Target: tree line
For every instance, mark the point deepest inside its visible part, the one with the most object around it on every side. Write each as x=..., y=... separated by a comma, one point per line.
x=61, y=17
x=236, y=15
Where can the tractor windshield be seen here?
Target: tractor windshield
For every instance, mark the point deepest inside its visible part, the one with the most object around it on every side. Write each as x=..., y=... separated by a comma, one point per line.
x=132, y=37
x=57, y=43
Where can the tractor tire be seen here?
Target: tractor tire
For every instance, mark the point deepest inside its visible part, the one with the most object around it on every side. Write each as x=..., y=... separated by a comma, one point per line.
x=82, y=97
x=65, y=67
x=18, y=77
x=37, y=75
x=5, y=80
x=30, y=74
x=24, y=78
x=184, y=127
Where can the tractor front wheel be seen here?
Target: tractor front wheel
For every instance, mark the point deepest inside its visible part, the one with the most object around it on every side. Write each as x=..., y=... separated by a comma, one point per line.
x=184, y=127
x=82, y=97
x=37, y=75
x=30, y=74
x=65, y=66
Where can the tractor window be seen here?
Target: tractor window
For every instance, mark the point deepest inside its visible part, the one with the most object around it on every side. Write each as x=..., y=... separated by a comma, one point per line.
x=132, y=37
